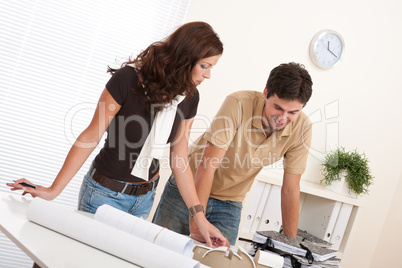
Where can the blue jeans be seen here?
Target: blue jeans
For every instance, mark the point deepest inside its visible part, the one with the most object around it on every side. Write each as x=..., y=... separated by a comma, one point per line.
x=172, y=213
x=92, y=195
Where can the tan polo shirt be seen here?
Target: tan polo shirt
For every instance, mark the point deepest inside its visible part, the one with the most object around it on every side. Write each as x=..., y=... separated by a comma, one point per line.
x=237, y=128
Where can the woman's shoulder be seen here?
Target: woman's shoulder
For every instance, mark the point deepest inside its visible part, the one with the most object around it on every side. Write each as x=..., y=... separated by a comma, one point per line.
x=126, y=71
x=196, y=95
x=125, y=76
x=195, y=98
x=121, y=83
x=189, y=105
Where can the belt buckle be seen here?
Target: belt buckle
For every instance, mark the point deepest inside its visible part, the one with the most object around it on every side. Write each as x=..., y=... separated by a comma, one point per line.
x=137, y=189
x=142, y=189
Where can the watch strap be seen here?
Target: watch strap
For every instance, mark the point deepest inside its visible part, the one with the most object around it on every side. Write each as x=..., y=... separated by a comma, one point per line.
x=195, y=209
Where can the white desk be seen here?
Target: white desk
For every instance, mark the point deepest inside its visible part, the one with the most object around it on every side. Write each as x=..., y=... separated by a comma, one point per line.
x=46, y=247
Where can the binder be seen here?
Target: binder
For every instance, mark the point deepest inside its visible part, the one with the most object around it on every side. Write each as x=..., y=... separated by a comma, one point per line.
x=252, y=206
x=272, y=216
x=332, y=221
x=260, y=208
x=340, y=226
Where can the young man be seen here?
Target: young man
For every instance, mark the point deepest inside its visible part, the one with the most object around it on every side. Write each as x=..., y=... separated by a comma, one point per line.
x=251, y=130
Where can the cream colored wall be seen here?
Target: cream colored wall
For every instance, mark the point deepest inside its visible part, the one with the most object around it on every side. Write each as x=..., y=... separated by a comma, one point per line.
x=389, y=243
x=259, y=35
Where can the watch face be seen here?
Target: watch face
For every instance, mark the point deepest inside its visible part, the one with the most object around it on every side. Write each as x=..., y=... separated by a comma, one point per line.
x=326, y=49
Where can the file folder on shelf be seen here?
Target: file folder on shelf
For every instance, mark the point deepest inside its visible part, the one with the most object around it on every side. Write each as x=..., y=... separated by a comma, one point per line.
x=340, y=226
x=260, y=207
x=252, y=207
x=271, y=218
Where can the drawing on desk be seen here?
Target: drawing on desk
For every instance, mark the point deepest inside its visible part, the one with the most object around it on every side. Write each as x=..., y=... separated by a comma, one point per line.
x=144, y=229
x=104, y=237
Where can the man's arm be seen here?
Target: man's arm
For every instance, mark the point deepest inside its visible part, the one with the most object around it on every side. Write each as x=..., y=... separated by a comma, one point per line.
x=204, y=177
x=290, y=199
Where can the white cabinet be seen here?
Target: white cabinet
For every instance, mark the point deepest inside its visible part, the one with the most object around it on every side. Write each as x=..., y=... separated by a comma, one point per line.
x=323, y=213
x=320, y=216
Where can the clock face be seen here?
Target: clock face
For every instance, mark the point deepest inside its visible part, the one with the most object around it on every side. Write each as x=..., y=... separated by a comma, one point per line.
x=326, y=49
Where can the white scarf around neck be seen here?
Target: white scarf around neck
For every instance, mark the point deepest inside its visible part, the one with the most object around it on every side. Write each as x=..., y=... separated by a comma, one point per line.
x=155, y=143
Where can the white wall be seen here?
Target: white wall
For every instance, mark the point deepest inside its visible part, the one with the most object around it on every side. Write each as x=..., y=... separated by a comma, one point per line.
x=259, y=35
x=389, y=242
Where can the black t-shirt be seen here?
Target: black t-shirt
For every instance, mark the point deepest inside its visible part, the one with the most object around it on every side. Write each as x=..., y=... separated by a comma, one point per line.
x=130, y=127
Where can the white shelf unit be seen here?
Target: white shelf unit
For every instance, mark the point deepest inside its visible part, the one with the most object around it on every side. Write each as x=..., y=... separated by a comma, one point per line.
x=323, y=213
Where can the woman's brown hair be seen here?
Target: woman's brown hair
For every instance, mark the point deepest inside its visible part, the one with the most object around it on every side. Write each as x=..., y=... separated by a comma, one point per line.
x=164, y=68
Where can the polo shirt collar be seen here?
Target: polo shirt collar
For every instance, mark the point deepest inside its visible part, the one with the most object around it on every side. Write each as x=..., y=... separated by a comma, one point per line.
x=257, y=112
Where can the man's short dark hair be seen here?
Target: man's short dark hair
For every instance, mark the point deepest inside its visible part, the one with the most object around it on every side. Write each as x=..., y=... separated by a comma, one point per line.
x=290, y=81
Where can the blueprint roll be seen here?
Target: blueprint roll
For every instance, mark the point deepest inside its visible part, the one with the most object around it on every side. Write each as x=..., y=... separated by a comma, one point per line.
x=104, y=237
x=144, y=229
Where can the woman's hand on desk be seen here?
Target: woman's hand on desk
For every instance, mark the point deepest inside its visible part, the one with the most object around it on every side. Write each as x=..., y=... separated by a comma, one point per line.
x=195, y=231
x=32, y=189
x=202, y=230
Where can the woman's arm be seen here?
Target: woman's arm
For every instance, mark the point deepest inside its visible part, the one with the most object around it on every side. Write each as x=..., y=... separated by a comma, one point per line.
x=185, y=183
x=211, y=158
x=86, y=142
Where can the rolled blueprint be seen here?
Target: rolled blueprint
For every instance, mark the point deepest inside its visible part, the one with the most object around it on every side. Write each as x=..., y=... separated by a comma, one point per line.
x=104, y=237
x=144, y=229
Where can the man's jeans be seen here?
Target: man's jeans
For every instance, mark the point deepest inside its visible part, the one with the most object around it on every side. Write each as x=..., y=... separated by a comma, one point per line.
x=92, y=195
x=172, y=213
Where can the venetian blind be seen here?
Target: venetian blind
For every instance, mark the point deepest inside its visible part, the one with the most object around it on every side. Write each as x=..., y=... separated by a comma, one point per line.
x=53, y=61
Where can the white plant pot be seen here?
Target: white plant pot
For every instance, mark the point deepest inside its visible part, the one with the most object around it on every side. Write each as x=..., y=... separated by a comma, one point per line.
x=342, y=187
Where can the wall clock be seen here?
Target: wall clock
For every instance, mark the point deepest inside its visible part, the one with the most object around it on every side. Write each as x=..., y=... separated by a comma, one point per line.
x=326, y=49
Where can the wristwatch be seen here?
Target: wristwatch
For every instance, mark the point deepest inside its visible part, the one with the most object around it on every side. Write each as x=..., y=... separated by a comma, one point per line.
x=195, y=209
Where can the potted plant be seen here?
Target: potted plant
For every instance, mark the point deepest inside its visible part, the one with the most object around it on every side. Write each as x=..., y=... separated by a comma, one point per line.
x=350, y=166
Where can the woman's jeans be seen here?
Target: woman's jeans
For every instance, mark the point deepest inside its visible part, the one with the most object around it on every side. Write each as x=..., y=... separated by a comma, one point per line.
x=92, y=195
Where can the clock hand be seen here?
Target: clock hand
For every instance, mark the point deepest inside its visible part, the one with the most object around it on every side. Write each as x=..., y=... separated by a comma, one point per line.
x=331, y=51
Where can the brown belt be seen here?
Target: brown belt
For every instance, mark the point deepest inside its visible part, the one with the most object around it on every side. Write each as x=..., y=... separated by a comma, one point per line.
x=124, y=187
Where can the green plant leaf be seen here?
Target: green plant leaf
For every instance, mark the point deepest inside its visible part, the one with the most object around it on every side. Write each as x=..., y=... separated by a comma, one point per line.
x=355, y=165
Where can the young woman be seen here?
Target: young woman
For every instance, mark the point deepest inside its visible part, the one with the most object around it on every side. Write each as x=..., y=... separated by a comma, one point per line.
x=149, y=102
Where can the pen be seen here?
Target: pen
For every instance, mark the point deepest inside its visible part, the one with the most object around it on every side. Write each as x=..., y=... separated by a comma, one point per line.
x=26, y=184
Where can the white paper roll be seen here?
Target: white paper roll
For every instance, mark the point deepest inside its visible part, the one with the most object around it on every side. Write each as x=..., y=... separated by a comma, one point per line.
x=144, y=229
x=268, y=259
x=105, y=237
